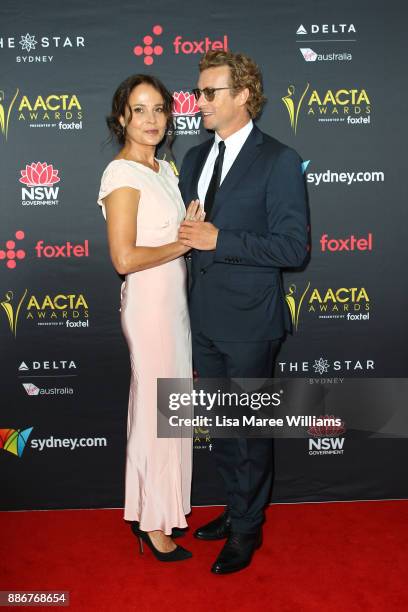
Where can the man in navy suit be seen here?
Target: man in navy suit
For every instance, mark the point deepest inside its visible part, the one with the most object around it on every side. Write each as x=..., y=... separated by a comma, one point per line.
x=253, y=193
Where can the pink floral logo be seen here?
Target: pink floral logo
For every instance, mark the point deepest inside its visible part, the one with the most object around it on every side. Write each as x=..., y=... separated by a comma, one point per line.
x=184, y=103
x=39, y=173
x=327, y=431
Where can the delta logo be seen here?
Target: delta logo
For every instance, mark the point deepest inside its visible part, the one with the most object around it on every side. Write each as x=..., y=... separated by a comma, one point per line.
x=345, y=303
x=13, y=255
x=14, y=441
x=345, y=106
x=330, y=29
x=186, y=114
x=40, y=180
x=62, y=111
x=34, y=46
x=68, y=310
x=151, y=46
x=326, y=439
x=43, y=368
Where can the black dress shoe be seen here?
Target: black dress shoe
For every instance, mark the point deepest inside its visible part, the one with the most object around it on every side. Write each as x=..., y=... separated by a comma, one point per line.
x=217, y=529
x=237, y=552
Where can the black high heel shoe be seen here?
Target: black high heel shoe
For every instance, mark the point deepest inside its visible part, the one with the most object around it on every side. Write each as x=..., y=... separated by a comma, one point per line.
x=178, y=554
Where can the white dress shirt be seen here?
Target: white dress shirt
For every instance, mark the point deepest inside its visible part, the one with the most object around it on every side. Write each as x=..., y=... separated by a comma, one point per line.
x=233, y=145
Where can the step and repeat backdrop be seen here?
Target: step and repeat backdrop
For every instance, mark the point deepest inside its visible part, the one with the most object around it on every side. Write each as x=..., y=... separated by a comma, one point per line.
x=335, y=79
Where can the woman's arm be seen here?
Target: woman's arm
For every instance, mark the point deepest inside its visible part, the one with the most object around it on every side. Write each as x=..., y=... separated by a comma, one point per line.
x=121, y=213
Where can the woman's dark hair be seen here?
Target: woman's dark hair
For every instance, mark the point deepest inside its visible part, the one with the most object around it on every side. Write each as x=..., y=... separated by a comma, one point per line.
x=120, y=102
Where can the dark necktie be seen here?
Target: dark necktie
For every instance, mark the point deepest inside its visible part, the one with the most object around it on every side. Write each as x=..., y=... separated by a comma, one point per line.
x=215, y=181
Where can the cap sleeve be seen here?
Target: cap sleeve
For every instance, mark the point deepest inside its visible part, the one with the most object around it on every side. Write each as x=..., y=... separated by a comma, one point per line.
x=116, y=175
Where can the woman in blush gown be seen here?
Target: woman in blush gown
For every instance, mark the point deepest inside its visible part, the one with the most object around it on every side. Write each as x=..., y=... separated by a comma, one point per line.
x=143, y=208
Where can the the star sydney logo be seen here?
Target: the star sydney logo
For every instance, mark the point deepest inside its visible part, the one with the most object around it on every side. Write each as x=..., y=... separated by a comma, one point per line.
x=28, y=42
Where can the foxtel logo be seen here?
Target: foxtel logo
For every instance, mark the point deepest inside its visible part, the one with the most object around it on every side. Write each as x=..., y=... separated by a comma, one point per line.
x=65, y=250
x=346, y=244
x=199, y=46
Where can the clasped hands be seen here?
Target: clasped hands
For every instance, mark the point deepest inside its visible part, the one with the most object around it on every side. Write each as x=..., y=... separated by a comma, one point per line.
x=196, y=233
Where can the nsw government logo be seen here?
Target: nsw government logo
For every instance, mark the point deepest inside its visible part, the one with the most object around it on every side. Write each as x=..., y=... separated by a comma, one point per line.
x=327, y=438
x=40, y=181
x=186, y=114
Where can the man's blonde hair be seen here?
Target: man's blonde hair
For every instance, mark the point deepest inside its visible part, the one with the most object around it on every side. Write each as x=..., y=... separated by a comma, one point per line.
x=244, y=74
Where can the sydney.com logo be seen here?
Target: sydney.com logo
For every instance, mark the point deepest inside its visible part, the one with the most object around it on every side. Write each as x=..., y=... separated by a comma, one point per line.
x=14, y=440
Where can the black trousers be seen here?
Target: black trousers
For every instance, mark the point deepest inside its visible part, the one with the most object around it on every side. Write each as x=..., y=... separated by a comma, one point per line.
x=245, y=464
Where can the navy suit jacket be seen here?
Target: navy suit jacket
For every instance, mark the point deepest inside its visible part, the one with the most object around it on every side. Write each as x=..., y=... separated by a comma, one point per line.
x=260, y=209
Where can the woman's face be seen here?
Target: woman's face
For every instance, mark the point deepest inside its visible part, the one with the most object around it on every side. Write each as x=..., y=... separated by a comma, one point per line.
x=147, y=125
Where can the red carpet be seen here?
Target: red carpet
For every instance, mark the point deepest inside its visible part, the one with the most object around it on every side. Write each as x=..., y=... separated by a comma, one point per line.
x=320, y=557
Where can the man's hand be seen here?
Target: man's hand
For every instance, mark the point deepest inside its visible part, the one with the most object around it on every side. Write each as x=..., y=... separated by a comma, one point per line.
x=200, y=235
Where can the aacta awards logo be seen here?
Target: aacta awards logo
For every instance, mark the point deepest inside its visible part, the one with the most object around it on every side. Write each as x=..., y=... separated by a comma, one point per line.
x=6, y=106
x=350, y=106
x=186, y=117
x=62, y=111
x=14, y=440
x=69, y=310
x=152, y=48
x=326, y=438
x=40, y=184
x=12, y=255
x=347, y=303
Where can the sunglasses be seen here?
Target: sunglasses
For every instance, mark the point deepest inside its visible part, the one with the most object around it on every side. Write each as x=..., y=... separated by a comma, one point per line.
x=208, y=92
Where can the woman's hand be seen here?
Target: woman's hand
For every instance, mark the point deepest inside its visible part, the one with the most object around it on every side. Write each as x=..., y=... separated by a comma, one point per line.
x=195, y=211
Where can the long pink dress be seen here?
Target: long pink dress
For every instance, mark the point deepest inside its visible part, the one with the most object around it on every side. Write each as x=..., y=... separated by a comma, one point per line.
x=155, y=322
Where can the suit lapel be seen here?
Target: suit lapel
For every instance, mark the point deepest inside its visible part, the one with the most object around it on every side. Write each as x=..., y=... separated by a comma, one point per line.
x=240, y=167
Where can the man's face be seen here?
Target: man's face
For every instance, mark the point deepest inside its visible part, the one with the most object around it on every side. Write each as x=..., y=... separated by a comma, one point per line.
x=220, y=114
